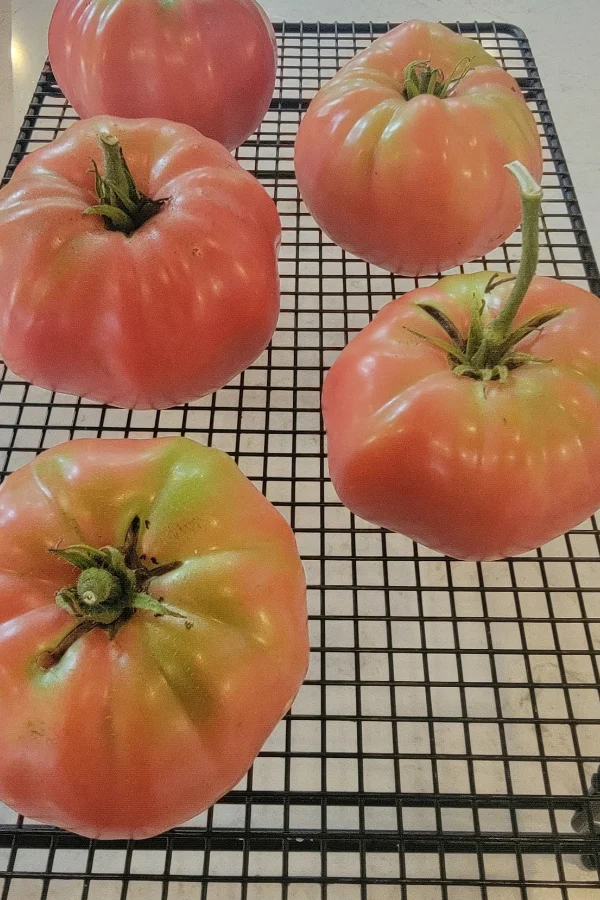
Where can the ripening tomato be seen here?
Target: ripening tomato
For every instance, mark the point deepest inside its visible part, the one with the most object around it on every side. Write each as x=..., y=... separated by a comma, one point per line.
x=467, y=414
x=140, y=680
x=163, y=292
x=400, y=156
x=210, y=64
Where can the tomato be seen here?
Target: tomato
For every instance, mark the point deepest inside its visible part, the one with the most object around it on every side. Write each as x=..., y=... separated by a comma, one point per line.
x=467, y=414
x=400, y=161
x=210, y=64
x=142, y=309
x=142, y=691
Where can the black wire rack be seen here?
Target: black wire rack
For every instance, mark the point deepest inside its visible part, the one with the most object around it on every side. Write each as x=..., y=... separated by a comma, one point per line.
x=446, y=742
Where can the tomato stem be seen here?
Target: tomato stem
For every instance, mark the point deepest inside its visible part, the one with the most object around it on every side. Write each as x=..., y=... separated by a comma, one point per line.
x=498, y=331
x=113, y=584
x=421, y=78
x=489, y=351
x=122, y=206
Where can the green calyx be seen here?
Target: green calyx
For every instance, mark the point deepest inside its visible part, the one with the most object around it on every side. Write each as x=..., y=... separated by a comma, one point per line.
x=113, y=584
x=421, y=78
x=122, y=207
x=490, y=350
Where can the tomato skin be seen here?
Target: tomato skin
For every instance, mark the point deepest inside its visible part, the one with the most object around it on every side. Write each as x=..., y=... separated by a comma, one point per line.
x=416, y=187
x=128, y=737
x=153, y=320
x=210, y=64
x=475, y=471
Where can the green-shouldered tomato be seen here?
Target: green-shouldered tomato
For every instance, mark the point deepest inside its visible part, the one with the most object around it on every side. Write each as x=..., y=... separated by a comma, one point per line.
x=153, y=632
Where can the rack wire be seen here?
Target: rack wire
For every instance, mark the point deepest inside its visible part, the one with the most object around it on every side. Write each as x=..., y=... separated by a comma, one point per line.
x=449, y=726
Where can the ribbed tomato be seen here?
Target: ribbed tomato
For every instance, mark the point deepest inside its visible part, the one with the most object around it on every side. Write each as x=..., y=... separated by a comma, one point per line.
x=400, y=156
x=210, y=64
x=135, y=692
x=467, y=414
x=162, y=293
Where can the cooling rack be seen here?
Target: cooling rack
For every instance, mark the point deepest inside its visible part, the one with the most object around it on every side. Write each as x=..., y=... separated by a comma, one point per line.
x=446, y=742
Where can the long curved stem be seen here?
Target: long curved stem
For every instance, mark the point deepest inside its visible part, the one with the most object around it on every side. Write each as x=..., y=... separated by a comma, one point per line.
x=490, y=351
x=531, y=198
x=492, y=346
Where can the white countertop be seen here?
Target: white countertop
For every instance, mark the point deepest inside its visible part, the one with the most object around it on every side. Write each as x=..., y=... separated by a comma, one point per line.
x=563, y=35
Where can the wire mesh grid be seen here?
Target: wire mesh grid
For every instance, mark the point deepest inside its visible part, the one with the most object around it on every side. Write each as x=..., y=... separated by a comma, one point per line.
x=449, y=726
